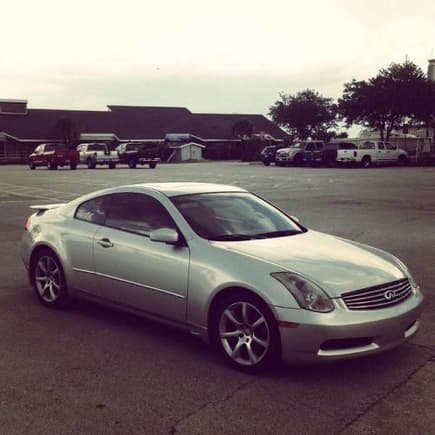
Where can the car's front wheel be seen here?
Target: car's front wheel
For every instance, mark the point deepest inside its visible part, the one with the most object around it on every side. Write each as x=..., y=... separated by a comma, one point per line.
x=298, y=159
x=402, y=160
x=366, y=162
x=48, y=279
x=31, y=165
x=245, y=332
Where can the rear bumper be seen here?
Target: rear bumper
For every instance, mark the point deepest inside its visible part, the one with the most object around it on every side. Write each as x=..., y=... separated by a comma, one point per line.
x=346, y=334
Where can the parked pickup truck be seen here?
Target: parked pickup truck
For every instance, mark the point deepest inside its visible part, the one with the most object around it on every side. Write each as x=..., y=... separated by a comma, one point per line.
x=93, y=154
x=135, y=154
x=369, y=152
x=53, y=155
x=300, y=152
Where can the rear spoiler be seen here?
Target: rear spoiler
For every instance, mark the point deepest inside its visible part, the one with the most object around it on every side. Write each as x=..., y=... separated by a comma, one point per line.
x=46, y=206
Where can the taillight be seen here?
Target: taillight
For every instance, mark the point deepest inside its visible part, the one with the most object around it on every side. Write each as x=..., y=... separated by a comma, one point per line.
x=28, y=223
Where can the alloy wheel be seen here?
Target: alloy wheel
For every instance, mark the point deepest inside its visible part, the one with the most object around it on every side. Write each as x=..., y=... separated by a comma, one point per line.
x=244, y=333
x=48, y=279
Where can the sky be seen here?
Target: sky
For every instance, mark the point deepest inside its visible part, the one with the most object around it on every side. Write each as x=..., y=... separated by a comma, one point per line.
x=215, y=57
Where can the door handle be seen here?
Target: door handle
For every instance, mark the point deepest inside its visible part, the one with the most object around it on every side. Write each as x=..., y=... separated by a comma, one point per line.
x=105, y=243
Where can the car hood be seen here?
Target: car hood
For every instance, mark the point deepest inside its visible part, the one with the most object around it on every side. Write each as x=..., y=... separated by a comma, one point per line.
x=335, y=264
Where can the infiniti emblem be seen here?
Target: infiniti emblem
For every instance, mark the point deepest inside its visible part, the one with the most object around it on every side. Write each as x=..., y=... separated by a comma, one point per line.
x=389, y=294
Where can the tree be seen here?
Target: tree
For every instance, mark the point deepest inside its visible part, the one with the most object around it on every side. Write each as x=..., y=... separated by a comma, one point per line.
x=67, y=131
x=304, y=115
x=384, y=102
x=243, y=129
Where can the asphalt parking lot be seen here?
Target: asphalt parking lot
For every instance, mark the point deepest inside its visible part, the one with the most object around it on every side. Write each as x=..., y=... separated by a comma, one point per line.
x=92, y=370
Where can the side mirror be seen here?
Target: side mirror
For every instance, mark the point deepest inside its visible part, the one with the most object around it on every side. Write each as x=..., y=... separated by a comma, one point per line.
x=164, y=235
x=295, y=218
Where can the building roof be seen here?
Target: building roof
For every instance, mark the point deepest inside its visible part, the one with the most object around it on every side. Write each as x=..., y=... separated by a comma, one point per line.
x=133, y=122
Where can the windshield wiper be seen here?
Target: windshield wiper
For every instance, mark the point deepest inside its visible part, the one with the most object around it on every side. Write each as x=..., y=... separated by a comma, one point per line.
x=281, y=233
x=233, y=237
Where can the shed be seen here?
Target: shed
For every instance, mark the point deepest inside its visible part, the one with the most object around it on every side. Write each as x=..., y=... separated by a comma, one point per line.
x=188, y=151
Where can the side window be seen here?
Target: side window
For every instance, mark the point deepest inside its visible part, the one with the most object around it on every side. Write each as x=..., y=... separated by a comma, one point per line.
x=381, y=145
x=367, y=145
x=38, y=149
x=390, y=146
x=309, y=147
x=94, y=210
x=137, y=213
x=319, y=146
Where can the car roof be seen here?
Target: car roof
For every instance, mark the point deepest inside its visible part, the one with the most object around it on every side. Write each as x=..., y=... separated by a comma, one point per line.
x=177, y=189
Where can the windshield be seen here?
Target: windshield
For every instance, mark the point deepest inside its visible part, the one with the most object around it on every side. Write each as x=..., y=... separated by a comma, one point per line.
x=298, y=145
x=56, y=147
x=234, y=216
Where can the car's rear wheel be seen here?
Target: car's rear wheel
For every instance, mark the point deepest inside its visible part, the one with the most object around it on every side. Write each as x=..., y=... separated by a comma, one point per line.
x=132, y=163
x=112, y=165
x=91, y=164
x=73, y=166
x=245, y=332
x=153, y=165
x=48, y=279
x=31, y=165
x=266, y=162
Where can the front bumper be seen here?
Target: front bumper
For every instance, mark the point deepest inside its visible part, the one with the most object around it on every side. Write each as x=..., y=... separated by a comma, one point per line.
x=345, y=333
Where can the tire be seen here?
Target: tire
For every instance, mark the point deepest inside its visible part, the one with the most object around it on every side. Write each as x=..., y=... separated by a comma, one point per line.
x=31, y=165
x=153, y=165
x=298, y=159
x=91, y=164
x=402, y=161
x=266, y=162
x=366, y=162
x=48, y=279
x=73, y=166
x=112, y=165
x=245, y=333
x=132, y=164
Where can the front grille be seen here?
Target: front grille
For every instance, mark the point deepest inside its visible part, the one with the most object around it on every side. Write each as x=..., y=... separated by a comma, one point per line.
x=379, y=296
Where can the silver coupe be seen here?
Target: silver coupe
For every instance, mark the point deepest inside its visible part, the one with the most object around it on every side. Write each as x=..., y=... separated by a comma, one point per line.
x=226, y=265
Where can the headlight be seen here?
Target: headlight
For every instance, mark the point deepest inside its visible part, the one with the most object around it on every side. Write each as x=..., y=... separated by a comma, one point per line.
x=411, y=279
x=406, y=271
x=308, y=295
